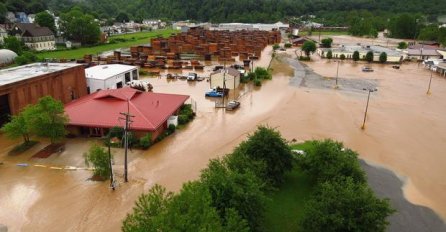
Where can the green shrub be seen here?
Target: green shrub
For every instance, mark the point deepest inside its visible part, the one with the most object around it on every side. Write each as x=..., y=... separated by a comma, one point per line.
x=276, y=46
x=244, y=79
x=171, y=129
x=145, y=141
x=257, y=82
x=262, y=73
x=304, y=58
x=99, y=158
x=183, y=119
x=288, y=45
x=342, y=57
x=252, y=76
x=116, y=132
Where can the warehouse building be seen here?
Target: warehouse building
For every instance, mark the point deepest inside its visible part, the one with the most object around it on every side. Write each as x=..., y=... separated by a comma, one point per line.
x=24, y=85
x=111, y=76
x=393, y=56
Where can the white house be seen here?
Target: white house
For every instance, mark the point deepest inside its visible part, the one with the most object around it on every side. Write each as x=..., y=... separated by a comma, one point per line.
x=35, y=37
x=110, y=76
x=3, y=35
x=231, y=78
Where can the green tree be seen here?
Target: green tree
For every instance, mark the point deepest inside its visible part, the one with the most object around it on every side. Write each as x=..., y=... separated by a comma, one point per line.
x=344, y=205
x=3, y=11
x=309, y=47
x=355, y=56
x=122, y=17
x=47, y=119
x=81, y=27
x=288, y=45
x=326, y=43
x=17, y=127
x=383, y=57
x=276, y=46
x=44, y=19
x=329, y=55
x=342, y=57
x=13, y=44
x=26, y=58
x=100, y=160
x=231, y=189
x=267, y=146
x=262, y=73
x=402, y=45
x=369, y=56
x=404, y=26
x=328, y=161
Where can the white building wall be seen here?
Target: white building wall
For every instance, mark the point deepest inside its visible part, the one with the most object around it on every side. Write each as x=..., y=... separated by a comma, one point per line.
x=231, y=81
x=109, y=83
x=41, y=46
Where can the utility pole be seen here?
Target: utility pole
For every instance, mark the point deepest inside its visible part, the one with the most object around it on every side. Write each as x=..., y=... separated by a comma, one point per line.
x=367, y=106
x=429, y=88
x=127, y=119
x=112, y=180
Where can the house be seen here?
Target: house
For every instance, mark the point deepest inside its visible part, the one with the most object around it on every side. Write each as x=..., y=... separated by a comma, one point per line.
x=300, y=41
x=22, y=17
x=110, y=76
x=3, y=35
x=24, y=85
x=35, y=37
x=424, y=52
x=96, y=113
x=393, y=56
x=230, y=76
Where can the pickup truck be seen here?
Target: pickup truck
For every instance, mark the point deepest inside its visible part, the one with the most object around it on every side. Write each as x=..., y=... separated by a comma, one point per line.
x=213, y=93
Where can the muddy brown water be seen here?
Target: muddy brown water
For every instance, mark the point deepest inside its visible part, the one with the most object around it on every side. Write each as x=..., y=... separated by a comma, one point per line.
x=405, y=132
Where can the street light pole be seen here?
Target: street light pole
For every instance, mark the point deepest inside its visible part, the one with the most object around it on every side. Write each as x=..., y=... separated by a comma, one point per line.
x=429, y=88
x=337, y=74
x=367, y=105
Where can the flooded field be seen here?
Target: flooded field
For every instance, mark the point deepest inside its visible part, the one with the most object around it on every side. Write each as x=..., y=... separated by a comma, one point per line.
x=405, y=132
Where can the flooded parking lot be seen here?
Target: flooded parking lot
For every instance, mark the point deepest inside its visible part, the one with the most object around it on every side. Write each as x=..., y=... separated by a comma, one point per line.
x=405, y=132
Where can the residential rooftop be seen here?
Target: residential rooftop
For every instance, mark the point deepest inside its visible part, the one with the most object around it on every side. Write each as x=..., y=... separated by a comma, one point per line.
x=103, y=72
x=24, y=72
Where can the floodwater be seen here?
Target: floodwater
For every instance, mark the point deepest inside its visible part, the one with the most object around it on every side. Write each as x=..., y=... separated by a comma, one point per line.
x=405, y=132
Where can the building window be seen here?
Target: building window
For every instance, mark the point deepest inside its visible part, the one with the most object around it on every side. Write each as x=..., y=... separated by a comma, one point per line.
x=135, y=74
x=127, y=77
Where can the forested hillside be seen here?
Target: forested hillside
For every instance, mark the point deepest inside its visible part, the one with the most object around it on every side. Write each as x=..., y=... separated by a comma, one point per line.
x=229, y=11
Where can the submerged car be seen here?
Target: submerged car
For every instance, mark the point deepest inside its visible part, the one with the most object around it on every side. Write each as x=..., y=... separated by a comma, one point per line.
x=213, y=93
x=367, y=69
x=232, y=105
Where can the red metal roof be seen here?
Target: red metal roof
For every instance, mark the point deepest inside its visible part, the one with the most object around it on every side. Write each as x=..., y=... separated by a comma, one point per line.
x=102, y=108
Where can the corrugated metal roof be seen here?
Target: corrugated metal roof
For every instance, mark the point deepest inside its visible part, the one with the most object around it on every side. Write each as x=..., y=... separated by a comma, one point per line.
x=103, y=72
x=102, y=109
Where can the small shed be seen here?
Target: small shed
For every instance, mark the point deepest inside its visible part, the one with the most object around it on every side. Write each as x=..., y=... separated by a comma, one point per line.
x=230, y=76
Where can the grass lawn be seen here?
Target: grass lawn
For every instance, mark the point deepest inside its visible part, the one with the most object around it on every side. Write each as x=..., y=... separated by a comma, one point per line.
x=324, y=33
x=285, y=209
x=133, y=39
x=302, y=146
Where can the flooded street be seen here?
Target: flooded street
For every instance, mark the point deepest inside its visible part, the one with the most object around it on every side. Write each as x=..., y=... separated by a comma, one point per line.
x=405, y=132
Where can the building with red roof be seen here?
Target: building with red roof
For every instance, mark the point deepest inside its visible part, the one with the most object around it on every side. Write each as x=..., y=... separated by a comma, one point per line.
x=96, y=113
